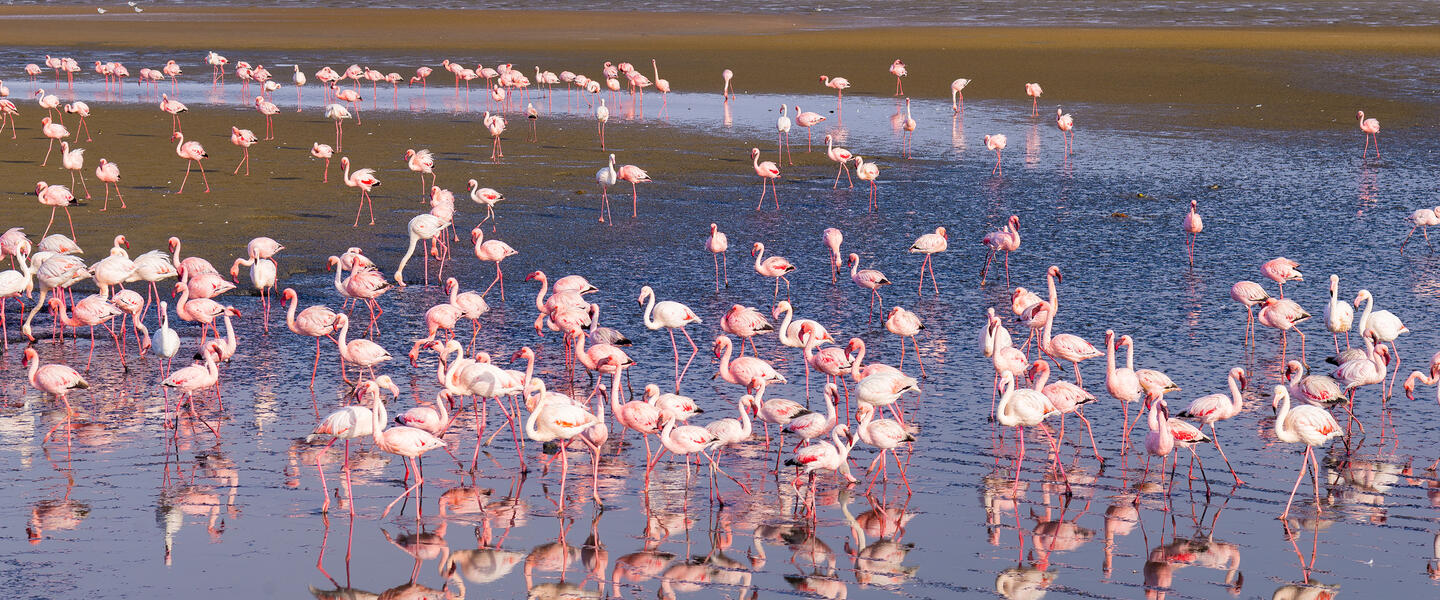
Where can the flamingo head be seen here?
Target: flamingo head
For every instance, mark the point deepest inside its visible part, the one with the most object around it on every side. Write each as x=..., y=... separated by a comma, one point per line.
x=1240, y=375
x=1055, y=272
x=1038, y=369
x=289, y=295
x=940, y=231
x=754, y=152
x=473, y=184
x=721, y=341
x=40, y=187
x=1126, y=340
x=384, y=382
x=174, y=136
x=854, y=345
x=1360, y=115
x=854, y=258
x=409, y=153
x=780, y=307
x=30, y=355
x=1410, y=384
x=1362, y=296
x=344, y=161
x=1015, y=221
x=536, y=276
x=713, y=229
x=522, y=354
x=757, y=248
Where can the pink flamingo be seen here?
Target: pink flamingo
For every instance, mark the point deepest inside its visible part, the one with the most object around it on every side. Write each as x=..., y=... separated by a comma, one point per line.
x=929, y=244
x=1033, y=91
x=823, y=456
x=884, y=434
x=109, y=174
x=1066, y=124
x=54, y=131
x=174, y=107
x=74, y=161
x=1193, y=226
x=745, y=322
x=315, y=321
x=13, y=283
x=198, y=310
x=898, y=69
x=1339, y=315
x=957, y=88
x=634, y=175
x=408, y=442
x=775, y=266
x=686, y=440
x=717, y=243
x=1006, y=240
x=244, y=138
x=354, y=99
x=324, y=151
x=839, y=155
x=869, y=172
x=1066, y=397
x=487, y=197
x=1281, y=270
x=365, y=180
x=1066, y=347
x=51, y=104
x=905, y=324
x=353, y=422
x=869, y=279
x=553, y=420
x=55, y=196
x=495, y=124
x=996, y=143
x=727, y=74
x=1250, y=294
x=908, y=126
x=89, y=312
x=1019, y=408
x=1219, y=407
x=425, y=227
x=832, y=361
x=55, y=379
x=1421, y=219
x=747, y=371
x=670, y=316
x=491, y=251
x=8, y=112
x=192, y=152
x=768, y=171
x=442, y=316
x=363, y=353
x=268, y=109
x=1284, y=315
x=422, y=74
x=1161, y=440
x=1121, y=382
x=338, y=114
x=602, y=114
x=833, y=238
x=1309, y=425
x=778, y=412
x=83, y=111
x=1371, y=128
x=423, y=163
x=807, y=120
x=838, y=84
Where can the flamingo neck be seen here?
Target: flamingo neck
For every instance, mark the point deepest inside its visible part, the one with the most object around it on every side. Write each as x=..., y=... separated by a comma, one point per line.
x=650, y=323
x=1109, y=355
x=1054, y=298
x=340, y=341
x=289, y=316
x=785, y=326
x=1280, y=430
x=1130, y=356
x=540, y=296
x=377, y=417
x=1365, y=316
x=530, y=430
x=1042, y=380
x=1237, y=401
x=855, y=367
x=759, y=258
x=725, y=363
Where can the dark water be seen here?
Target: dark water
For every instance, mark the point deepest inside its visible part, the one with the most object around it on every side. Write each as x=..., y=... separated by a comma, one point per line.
x=122, y=507
x=1123, y=13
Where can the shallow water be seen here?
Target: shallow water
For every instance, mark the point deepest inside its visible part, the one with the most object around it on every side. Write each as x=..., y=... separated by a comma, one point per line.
x=1124, y=13
x=122, y=506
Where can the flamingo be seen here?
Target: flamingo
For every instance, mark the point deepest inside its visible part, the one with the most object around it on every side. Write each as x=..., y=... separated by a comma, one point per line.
x=833, y=238
x=315, y=321
x=299, y=79
x=1066, y=347
x=488, y=198
x=353, y=422
x=1066, y=397
x=838, y=84
x=491, y=251
x=244, y=138
x=1284, y=315
x=1021, y=407
x=408, y=442
x=165, y=342
x=807, y=120
x=869, y=172
x=55, y=379
x=996, y=143
x=1384, y=325
x=634, y=175
x=174, y=107
x=109, y=174
x=1250, y=294
x=898, y=69
x=1193, y=225
x=552, y=420
x=1371, y=129
x=12, y=284
x=908, y=126
x=885, y=435
x=782, y=135
x=824, y=456
x=55, y=196
x=727, y=74
x=1006, y=240
x=193, y=153
x=82, y=110
x=839, y=155
x=602, y=114
x=1316, y=390
x=363, y=353
x=1066, y=124
x=905, y=324
x=775, y=266
x=717, y=243
x=427, y=227
x=323, y=151
x=74, y=161
x=1421, y=219
x=768, y=171
x=354, y=99
x=671, y=316
x=869, y=279
x=1306, y=424
x=1033, y=91
x=495, y=124
x=8, y=112
x=1339, y=316
x=338, y=114
x=365, y=180
x=423, y=163
x=54, y=131
x=1219, y=407
x=1121, y=382
x=929, y=244
x=747, y=371
x=745, y=322
x=1281, y=270
x=532, y=115
x=606, y=177
x=957, y=89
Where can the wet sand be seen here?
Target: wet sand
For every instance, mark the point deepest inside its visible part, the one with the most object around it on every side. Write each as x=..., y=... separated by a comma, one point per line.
x=1283, y=78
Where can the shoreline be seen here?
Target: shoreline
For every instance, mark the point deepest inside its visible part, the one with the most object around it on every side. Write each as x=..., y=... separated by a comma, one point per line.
x=1296, y=75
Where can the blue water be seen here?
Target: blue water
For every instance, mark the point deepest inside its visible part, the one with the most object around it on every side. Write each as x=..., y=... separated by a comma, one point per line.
x=123, y=507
